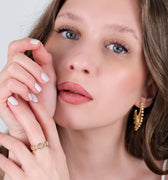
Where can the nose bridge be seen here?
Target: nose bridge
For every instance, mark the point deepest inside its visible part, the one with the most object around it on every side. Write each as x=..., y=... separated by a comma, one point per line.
x=83, y=59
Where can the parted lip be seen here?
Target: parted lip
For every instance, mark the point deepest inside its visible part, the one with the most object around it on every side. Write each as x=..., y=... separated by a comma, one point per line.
x=74, y=88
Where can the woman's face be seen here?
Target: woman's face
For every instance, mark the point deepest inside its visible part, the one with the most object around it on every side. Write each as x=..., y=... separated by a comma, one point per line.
x=97, y=45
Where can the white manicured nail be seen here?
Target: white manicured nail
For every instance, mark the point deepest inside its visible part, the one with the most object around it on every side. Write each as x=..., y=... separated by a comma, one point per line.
x=30, y=97
x=13, y=101
x=34, y=41
x=44, y=77
x=38, y=88
x=34, y=98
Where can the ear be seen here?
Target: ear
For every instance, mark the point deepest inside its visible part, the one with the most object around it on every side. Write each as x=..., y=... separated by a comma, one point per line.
x=148, y=94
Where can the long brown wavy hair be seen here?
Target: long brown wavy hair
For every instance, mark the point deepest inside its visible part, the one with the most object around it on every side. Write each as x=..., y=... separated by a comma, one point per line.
x=150, y=142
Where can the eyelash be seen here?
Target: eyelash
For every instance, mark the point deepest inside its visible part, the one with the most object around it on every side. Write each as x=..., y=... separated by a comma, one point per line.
x=119, y=43
x=68, y=29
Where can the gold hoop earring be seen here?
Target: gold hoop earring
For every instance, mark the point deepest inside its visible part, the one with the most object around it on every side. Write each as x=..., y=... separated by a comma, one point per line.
x=138, y=118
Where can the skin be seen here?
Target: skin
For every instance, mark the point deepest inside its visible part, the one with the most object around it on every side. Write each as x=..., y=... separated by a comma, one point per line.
x=92, y=142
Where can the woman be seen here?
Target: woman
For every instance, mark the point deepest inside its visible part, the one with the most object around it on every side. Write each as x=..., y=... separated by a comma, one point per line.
x=102, y=77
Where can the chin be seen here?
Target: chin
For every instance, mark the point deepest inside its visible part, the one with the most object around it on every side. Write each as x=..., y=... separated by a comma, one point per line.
x=71, y=118
x=68, y=123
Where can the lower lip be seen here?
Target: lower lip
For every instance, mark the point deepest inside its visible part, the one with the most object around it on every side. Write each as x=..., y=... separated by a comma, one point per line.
x=73, y=98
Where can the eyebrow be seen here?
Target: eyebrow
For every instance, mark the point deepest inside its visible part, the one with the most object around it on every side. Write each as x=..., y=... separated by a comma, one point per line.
x=114, y=27
x=122, y=29
x=70, y=15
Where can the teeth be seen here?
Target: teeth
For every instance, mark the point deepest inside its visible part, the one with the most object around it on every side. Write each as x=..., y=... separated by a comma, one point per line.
x=73, y=91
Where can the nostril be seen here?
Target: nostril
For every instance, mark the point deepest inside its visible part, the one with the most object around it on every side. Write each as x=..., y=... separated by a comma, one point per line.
x=71, y=67
x=86, y=71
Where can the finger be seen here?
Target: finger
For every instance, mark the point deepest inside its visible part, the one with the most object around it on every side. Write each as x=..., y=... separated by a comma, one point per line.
x=8, y=88
x=22, y=45
x=12, y=86
x=32, y=67
x=11, y=169
x=17, y=72
x=44, y=59
x=40, y=54
x=26, y=118
x=21, y=152
x=48, y=125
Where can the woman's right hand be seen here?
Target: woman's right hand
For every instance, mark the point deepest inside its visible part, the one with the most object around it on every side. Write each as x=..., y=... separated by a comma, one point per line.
x=22, y=76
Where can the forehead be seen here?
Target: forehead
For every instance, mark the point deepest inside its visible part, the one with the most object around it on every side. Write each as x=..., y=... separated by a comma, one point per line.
x=104, y=9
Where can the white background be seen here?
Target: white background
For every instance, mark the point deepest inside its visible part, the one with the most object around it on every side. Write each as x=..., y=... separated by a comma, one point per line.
x=17, y=18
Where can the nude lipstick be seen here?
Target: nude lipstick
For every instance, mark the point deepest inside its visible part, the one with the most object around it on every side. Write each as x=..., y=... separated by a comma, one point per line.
x=73, y=93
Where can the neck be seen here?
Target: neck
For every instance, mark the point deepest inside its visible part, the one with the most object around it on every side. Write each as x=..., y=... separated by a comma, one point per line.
x=95, y=150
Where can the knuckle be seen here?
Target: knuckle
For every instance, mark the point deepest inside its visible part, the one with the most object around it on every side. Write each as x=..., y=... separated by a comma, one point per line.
x=12, y=67
x=16, y=145
x=31, y=79
x=16, y=57
x=10, y=83
x=6, y=165
x=12, y=46
x=24, y=90
x=35, y=128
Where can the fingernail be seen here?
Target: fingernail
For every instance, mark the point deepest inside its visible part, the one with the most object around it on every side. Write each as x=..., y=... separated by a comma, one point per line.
x=34, y=98
x=38, y=88
x=13, y=101
x=34, y=41
x=44, y=77
x=30, y=97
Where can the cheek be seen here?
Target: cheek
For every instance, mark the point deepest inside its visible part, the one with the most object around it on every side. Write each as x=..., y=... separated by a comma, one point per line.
x=120, y=91
x=124, y=86
x=130, y=81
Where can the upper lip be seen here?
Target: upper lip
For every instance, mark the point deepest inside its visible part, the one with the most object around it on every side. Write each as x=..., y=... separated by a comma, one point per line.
x=71, y=86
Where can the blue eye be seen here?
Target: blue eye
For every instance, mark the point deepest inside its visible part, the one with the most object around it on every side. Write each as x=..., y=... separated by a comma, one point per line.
x=117, y=48
x=69, y=34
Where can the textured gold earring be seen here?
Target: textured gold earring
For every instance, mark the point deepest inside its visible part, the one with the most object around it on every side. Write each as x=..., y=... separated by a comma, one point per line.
x=138, y=118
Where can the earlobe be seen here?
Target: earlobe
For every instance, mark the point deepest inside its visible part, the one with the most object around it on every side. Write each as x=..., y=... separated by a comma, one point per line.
x=146, y=102
x=148, y=94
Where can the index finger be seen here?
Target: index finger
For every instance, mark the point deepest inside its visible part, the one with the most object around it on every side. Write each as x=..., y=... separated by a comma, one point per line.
x=22, y=45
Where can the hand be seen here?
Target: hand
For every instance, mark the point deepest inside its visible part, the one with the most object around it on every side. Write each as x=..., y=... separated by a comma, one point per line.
x=48, y=163
x=19, y=77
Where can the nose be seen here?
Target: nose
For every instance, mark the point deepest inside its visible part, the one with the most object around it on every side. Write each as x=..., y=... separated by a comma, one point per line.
x=82, y=63
x=77, y=66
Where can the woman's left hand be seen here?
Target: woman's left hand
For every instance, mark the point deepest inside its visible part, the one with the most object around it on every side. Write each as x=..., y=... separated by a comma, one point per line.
x=47, y=163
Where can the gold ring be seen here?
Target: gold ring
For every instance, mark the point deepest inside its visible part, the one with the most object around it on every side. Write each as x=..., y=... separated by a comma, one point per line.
x=39, y=146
